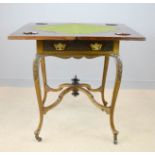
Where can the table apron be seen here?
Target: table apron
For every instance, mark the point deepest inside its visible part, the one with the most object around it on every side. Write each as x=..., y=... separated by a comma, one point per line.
x=77, y=49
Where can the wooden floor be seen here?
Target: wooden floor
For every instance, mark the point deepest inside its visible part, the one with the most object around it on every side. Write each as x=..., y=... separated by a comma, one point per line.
x=76, y=125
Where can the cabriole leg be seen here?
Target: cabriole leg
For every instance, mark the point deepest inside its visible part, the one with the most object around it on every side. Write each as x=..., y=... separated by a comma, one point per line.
x=114, y=96
x=39, y=98
x=105, y=69
x=43, y=69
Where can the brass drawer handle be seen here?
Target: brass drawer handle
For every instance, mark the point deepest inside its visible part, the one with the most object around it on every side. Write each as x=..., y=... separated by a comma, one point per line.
x=59, y=46
x=96, y=46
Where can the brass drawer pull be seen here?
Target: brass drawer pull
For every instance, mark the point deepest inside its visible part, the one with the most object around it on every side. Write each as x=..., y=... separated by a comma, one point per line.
x=96, y=46
x=59, y=46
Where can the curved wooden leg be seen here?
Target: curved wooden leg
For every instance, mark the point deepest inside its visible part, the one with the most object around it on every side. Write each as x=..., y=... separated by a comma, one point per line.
x=105, y=69
x=43, y=69
x=39, y=98
x=114, y=96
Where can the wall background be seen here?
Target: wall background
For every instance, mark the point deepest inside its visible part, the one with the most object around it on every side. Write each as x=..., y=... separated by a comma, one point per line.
x=138, y=57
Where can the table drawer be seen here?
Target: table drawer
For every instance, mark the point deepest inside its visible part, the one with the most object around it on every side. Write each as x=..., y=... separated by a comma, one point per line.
x=50, y=46
x=77, y=48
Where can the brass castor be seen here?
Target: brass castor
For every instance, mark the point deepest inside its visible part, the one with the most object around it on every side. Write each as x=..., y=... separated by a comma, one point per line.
x=39, y=139
x=115, y=139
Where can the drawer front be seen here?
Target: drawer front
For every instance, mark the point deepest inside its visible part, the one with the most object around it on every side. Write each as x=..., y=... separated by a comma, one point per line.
x=105, y=46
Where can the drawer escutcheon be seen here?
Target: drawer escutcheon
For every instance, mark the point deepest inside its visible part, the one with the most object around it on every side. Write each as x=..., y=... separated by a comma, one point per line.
x=96, y=46
x=59, y=46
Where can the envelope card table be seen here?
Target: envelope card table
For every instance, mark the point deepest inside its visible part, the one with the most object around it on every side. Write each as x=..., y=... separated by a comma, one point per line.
x=76, y=40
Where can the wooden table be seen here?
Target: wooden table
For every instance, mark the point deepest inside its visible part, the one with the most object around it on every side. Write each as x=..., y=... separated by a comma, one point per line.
x=76, y=40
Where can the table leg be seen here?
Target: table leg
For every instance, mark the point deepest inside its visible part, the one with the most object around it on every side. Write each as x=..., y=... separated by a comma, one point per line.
x=114, y=96
x=43, y=69
x=105, y=69
x=41, y=60
x=38, y=92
